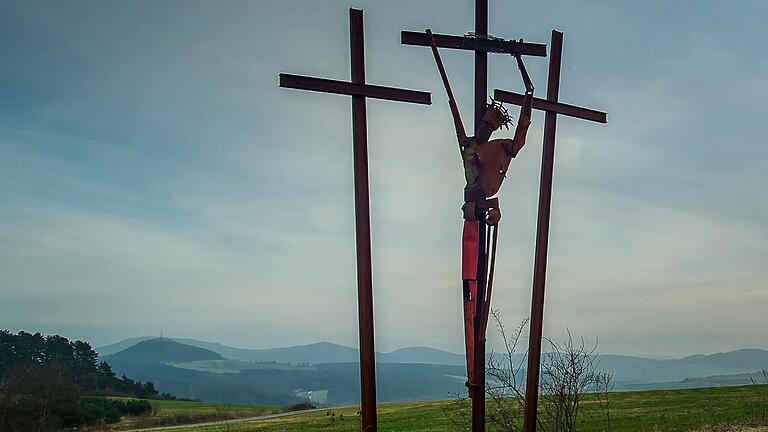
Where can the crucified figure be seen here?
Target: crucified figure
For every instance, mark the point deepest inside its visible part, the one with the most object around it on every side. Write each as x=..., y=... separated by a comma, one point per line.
x=486, y=162
x=485, y=166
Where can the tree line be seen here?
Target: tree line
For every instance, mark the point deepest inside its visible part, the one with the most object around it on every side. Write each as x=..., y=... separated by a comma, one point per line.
x=43, y=381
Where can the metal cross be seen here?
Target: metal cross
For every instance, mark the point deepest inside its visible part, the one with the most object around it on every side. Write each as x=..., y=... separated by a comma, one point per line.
x=481, y=44
x=359, y=91
x=552, y=108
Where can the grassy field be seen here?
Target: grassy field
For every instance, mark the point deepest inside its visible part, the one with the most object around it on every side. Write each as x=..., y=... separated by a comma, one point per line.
x=172, y=412
x=166, y=408
x=667, y=410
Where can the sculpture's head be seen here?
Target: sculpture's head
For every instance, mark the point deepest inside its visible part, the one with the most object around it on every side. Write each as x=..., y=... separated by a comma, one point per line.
x=495, y=117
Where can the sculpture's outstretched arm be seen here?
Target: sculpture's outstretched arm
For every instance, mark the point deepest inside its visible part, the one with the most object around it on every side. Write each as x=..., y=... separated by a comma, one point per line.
x=524, y=73
x=525, y=109
x=460, y=133
x=524, y=121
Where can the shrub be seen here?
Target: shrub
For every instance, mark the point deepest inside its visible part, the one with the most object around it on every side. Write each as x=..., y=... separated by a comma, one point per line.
x=112, y=416
x=91, y=413
x=300, y=406
x=137, y=407
x=97, y=410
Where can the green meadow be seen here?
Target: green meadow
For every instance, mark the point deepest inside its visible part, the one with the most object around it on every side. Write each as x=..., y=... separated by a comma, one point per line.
x=664, y=410
x=175, y=412
x=165, y=408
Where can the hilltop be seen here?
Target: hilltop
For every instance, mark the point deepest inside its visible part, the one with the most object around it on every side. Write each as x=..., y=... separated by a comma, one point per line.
x=161, y=350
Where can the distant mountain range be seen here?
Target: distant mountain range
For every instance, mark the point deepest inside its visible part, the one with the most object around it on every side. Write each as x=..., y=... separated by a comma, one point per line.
x=321, y=352
x=199, y=373
x=329, y=373
x=635, y=370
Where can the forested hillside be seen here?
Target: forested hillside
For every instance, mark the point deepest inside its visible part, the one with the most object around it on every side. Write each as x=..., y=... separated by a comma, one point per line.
x=44, y=381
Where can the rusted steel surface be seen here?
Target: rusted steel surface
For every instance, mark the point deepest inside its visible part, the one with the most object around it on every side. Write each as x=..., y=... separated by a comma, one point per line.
x=363, y=227
x=301, y=82
x=461, y=134
x=542, y=238
x=555, y=107
x=481, y=62
x=475, y=43
x=481, y=95
x=359, y=92
x=477, y=393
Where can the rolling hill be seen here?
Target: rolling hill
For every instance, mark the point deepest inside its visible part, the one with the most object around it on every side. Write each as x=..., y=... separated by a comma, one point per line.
x=216, y=372
x=321, y=352
x=161, y=350
x=198, y=373
x=635, y=370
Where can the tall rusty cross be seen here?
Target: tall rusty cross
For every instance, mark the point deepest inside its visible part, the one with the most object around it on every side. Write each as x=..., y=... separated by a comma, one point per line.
x=552, y=108
x=481, y=44
x=359, y=91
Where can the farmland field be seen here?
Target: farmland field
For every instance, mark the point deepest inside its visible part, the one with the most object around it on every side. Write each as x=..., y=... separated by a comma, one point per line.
x=165, y=408
x=667, y=410
x=175, y=412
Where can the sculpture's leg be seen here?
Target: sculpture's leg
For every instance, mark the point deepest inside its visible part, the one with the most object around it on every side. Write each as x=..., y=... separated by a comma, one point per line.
x=469, y=254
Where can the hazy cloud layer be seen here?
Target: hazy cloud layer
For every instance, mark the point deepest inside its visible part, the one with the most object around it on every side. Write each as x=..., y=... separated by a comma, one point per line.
x=154, y=177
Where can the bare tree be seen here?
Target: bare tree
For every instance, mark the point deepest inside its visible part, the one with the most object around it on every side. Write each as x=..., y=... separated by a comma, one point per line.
x=605, y=385
x=569, y=371
x=506, y=387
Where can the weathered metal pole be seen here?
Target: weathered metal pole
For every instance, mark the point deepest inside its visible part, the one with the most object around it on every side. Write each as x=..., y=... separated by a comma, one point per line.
x=542, y=237
x=481, y=62
x=363, y=227
x=481, y=94
x=359, y=91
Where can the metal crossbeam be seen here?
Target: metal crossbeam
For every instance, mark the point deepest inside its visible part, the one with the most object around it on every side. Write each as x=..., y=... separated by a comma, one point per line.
x=324, y=85
x=475, y=44
x=550, y=106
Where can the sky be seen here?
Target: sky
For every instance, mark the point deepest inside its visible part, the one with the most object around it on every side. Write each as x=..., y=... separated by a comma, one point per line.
x=156, y=179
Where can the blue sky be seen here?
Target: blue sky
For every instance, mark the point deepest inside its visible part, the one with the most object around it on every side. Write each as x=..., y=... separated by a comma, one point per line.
x=154, y=177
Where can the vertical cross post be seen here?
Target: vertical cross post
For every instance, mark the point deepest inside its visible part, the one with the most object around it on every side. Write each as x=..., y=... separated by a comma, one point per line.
x=542, y=237
x=363, y=227
x=360, y=91
x=481, y=94
x=552, y=106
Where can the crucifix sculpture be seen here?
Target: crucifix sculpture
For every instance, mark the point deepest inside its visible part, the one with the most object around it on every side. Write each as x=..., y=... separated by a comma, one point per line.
x=475, y=271
x=480, y=212
x=485, y=165
x=359, y=91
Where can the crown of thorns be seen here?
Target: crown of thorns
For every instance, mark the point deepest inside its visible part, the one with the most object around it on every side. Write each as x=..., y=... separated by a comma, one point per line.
x=494, y=104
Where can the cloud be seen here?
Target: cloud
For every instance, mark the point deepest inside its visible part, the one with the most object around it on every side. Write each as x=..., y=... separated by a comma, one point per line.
x=155, y=176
